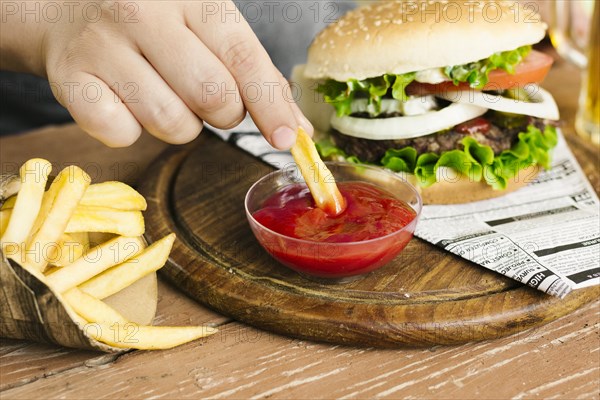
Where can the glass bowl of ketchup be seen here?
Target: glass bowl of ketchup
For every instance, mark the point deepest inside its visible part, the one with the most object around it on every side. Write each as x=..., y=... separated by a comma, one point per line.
x=379, y=220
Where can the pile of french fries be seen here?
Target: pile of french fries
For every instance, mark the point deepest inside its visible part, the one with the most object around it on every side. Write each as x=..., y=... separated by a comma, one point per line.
x=51, y=234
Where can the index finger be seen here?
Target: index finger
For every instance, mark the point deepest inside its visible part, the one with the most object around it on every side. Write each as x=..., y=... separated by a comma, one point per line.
x=264, y=92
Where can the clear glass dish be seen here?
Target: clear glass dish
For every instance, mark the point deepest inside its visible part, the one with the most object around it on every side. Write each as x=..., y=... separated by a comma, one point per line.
x=333, y=260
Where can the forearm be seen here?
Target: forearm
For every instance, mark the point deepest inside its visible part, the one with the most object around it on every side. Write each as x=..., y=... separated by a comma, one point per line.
x=22, y=27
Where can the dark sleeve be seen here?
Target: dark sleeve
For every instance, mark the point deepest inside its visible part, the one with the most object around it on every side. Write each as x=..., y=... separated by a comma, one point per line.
x=27, y=103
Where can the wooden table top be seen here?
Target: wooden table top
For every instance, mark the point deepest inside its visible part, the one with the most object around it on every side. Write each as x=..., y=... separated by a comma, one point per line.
x=558, y=360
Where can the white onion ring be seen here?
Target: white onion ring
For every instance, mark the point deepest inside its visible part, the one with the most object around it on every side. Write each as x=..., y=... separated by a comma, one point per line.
x=543, y=105
x=406, y=127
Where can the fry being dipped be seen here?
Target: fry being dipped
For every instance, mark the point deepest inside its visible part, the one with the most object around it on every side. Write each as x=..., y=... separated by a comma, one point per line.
x=319, y=179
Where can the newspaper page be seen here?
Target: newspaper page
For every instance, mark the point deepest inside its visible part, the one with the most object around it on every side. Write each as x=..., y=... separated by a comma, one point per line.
x=546, y=235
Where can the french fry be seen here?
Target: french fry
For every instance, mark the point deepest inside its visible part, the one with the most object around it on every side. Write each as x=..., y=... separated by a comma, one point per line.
x=68, y=249
x=51, y=232
x=92, y=309
x=51, y=193
x=9, y=186
x=112, y=328
x=34, y=175
x=319, y=179
x=97, y=219
x=94, y=262
x=83, y=238
x=115, y=195
x=119, y=277
x=48, y=201
x=141, y=337
x=51, y=268
x=128, y=200
x=9, y=204
x=72, y=183
x=4, y=218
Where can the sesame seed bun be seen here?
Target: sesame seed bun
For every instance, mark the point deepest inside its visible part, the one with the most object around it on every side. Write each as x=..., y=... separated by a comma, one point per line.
x=404, y=36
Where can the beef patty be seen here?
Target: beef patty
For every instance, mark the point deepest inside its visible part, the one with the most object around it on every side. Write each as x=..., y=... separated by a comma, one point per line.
x=499, y=134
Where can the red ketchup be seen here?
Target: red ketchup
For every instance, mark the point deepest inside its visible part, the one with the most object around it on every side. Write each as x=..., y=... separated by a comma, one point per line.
x=367, y=235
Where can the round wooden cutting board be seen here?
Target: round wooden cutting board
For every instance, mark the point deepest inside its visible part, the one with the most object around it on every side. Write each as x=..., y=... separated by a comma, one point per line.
x=425, y=296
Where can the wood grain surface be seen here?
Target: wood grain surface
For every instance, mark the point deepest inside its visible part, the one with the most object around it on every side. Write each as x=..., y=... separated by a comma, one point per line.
x=558, y=360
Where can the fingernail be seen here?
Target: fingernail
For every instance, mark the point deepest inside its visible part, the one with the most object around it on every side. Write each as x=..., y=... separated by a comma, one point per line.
x=283, y=138
x=305, y=123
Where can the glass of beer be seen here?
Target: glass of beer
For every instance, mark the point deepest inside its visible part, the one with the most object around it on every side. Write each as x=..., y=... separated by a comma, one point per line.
x=574, y=33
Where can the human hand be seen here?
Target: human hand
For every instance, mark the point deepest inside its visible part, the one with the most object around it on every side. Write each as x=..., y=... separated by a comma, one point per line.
x=165, y=66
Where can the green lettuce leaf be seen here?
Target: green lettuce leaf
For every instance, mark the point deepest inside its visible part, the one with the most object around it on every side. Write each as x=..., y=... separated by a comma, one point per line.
x=475, y=160
x=532, y=148
x=400, y=84
x=481, y=154
x=461, y=162
x=338, y=94
x=329, y=151
x=507, y=164
x=494, y=176
x=425, y=169
x=539, y=144
x=476, y=74
x=341, y=94
x=403, y=160
x=470, y=161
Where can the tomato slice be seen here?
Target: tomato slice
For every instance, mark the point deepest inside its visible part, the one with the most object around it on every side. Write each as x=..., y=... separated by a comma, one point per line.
x=533, y=69
x=476, y=125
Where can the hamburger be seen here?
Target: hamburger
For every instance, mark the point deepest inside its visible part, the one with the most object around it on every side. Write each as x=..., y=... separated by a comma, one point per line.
x=444, y=92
